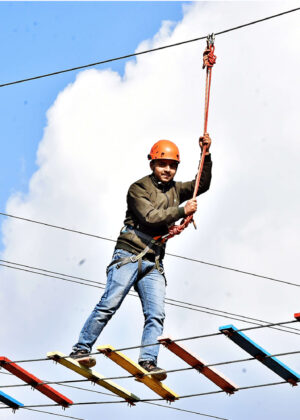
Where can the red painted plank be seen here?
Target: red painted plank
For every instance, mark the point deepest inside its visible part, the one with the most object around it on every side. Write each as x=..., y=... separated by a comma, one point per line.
x=35, y=382
x=198, y=364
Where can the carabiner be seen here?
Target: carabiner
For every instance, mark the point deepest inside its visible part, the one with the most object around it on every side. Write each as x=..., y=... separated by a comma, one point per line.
x=210, y=40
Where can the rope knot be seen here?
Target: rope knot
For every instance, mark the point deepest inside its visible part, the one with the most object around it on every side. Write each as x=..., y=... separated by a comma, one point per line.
x=177, y=229
x=209, y=58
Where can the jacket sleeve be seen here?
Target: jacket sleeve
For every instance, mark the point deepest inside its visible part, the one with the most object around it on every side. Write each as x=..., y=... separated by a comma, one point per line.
x=186, y=189
x=139, y=203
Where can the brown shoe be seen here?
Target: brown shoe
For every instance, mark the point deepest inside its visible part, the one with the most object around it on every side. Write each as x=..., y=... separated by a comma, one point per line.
x=83, y=357
x=156, y=372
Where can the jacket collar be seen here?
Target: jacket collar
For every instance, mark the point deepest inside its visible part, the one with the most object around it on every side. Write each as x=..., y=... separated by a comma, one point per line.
x=161, y=185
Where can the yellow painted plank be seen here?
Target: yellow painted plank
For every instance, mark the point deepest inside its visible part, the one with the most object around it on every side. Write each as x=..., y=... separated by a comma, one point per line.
x=140, y=373
x=92, y=375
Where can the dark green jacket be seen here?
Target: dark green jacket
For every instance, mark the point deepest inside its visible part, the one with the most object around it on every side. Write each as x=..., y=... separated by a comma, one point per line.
x=152, y=207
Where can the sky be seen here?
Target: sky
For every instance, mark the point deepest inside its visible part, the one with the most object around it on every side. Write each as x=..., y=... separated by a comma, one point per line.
x=42, y=37
x=73, y=143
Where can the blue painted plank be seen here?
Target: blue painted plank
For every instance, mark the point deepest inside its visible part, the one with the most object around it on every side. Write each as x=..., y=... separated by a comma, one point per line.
x=260, y=354
x=11, y=402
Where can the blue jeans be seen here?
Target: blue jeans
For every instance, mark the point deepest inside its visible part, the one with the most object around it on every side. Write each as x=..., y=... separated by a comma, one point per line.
x=151, y=291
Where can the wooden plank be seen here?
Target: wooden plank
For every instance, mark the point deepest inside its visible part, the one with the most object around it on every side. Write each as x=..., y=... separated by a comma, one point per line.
x=198, y=364
x=297, y=316
x=93, y=376
x=35, y=382
x=9, y=401
x=260, y=354
x=141, y=374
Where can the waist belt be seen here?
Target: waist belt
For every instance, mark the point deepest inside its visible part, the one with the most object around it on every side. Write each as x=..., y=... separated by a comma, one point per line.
x=138, y=258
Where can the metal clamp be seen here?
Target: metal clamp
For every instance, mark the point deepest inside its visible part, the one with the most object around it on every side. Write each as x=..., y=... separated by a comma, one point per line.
x=210, y=40
x=161, y=271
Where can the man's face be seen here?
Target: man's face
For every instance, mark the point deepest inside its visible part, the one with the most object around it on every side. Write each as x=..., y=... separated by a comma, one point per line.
x=164, y=169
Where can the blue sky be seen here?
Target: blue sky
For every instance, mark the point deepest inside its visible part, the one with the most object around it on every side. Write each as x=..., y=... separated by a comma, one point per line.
x=41, y=37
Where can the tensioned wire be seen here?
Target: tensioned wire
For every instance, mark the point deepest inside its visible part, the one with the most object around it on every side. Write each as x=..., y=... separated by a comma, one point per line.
x=111, y=402
x=72, y=381
x=156, y=399
x=158, y=344
x=53, y=414
x=160, y=399
x=145, y=402
x=168, y=301
x=150, y=50
x=152, y=403
x=172, y=255
x=116, y=396
x=112, y=395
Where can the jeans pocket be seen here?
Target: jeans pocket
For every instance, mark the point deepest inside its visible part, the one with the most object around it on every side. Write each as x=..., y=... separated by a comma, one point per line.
x=117, y=255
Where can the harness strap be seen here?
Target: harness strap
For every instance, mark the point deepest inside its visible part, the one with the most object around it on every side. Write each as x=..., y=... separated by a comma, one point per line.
x=138, y=258
x=144, y=237
x=123, y=261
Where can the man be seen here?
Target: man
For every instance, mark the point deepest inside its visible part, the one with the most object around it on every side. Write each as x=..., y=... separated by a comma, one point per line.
x=153, y=205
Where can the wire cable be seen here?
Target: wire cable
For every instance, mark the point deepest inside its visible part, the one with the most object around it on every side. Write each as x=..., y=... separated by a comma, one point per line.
x=158, y=344
x=159, y=399
x=221, y=391
x=53, y=272
x=56, y=227
x=110, y=60
x=47, y=275
x=168, y=301
x=67, y=382
x=159, y=405
x=172, y=255
x=195, y=337
x=53, y=414
x=249, y=273
x=116, y=396
x=185, y=411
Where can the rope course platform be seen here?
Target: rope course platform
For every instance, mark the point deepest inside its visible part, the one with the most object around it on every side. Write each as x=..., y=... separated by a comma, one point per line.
x=93, y=376
x=35, y=382
x=198, y=364
x=140, y=374
x=260, y=354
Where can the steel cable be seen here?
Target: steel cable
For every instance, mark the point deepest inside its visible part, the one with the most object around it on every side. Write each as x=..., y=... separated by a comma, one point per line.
x=110, y=60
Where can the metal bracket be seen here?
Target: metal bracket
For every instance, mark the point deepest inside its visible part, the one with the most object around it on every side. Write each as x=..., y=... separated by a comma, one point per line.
x=210, y=40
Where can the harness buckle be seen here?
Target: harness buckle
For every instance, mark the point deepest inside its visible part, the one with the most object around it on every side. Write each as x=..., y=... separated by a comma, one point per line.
x=133, y=258
x=161, y=270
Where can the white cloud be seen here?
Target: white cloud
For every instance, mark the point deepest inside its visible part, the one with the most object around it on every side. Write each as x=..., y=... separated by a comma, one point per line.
x=99, y=131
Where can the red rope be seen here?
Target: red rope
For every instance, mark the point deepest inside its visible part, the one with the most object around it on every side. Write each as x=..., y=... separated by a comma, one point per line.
x=209, y=60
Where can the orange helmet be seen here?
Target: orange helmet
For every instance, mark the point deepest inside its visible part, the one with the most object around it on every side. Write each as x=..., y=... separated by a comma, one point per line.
x=164, y=149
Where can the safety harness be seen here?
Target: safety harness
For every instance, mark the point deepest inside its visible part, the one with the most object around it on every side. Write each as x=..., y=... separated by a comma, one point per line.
x=157, y=242
x=152, y=243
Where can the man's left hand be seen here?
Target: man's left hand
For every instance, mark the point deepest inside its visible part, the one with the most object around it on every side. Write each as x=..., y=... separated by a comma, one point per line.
x=205, y=141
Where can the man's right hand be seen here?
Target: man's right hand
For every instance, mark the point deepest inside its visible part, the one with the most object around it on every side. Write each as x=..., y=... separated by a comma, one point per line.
x=190, y=207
